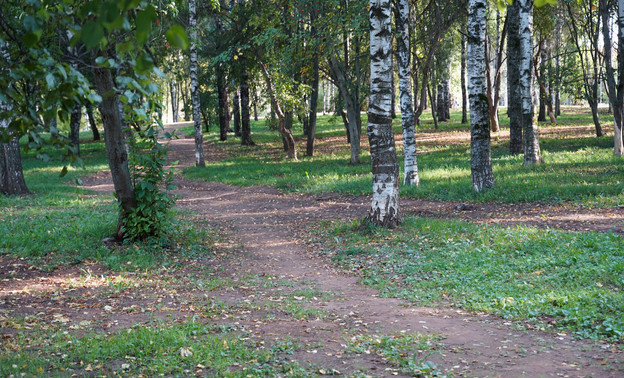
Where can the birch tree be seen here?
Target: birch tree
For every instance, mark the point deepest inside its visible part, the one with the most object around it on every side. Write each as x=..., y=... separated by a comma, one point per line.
x=480, y=160
x=532, y=153
x=199, y=148
x=385, y=205
x=403, y=55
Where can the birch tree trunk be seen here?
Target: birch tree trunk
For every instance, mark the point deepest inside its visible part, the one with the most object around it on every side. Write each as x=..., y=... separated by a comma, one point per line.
x=403, y=55
x=199, y=148
x=514, y=109
x=480, y=160
x=385, y=204
x=532, y=153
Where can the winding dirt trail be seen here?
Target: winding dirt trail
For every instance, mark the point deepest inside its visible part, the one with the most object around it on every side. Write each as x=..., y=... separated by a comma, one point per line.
x=269, y=225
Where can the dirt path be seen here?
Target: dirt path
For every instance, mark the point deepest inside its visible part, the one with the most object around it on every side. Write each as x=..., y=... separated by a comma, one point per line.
x=269, y=224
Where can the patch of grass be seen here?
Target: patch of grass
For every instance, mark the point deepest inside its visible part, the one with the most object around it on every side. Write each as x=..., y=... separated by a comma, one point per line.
x=61, y=223
x=578, y=167
x=188, y=348
x=568, y=280
x=408, y=351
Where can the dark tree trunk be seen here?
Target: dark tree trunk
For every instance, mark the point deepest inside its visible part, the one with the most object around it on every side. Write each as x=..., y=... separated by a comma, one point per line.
x=393, y=106
x=352, y=118
x=174, y=100
x=116, y=150
x=11, y=174
x=236, y=113
x=463, y=80
x=286, y=133
x=244, y=97
x=615, y=90
x=313, y=97
x=541, y=117
x=92, y=124
x=514, y=110
x=224, y=117
x=434, y=104
x=74, y=128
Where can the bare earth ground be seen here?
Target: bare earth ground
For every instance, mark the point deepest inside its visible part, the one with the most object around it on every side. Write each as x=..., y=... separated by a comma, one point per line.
x=268, y=262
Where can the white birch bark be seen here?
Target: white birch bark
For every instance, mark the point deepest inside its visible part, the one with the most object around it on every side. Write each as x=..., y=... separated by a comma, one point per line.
x=480, y=158
x=385, y=204
x=532, y=153
x=199, y=148
x=402, y=17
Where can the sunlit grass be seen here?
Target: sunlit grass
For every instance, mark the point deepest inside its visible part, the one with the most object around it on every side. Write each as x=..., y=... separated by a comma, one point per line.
x=578, y=168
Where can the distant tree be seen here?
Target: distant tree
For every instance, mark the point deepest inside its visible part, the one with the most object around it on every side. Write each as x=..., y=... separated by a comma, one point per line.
x=199, y=148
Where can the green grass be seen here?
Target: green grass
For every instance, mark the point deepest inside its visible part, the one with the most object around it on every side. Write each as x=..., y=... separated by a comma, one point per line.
x=182, y=349
x=62, y=223
x=578, y=169
x=568, y=280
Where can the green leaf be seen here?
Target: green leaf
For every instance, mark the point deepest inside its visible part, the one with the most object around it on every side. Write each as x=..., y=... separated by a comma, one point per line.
x=144, y=21
x=92, y=34
x=176, y=36
x=50, y=81
x=541, y=3
x=30, y=39
x=128, y=4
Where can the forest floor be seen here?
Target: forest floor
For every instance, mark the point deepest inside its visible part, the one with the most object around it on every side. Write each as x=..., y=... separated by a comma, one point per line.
x=266, y=280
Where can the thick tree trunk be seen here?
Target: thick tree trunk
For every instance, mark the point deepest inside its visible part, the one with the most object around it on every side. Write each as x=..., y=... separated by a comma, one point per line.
x=174, y=100
x=480, y=158
x=403, y=56
x=532, y=153
x=286, y=133
x=11, y=173
x=116, y=150
x=313, y=97
x=385, y=204
x=92, y=124
x=199, y=148
x=514, y=109
x=74, y=128
x=245, y=122
x=236, y=113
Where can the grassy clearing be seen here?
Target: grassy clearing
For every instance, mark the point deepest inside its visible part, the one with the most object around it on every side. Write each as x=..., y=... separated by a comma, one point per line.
x=62, y=223
x=579, y=167
x=570, y=281
x=182, y=349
